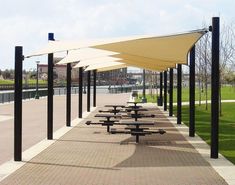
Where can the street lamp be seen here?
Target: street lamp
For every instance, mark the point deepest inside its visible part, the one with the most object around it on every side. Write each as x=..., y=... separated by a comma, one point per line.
x=36, y=94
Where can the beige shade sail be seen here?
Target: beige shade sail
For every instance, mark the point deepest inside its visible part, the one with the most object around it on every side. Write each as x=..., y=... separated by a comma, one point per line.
x=85, y=54
x=88, y=62
x=135, y=60
x=103, y=69
x=151, y=51
x=61, y=46
x=105, y=65
x=173, y=48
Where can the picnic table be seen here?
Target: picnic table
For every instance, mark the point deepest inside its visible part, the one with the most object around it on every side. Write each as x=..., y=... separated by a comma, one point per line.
x=135, y=103
x=136, y=114
x=107, y=122
x=114, y=110
x=136, y=130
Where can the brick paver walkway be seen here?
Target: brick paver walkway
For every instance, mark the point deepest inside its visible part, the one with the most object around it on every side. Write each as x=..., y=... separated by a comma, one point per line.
x=87, y=155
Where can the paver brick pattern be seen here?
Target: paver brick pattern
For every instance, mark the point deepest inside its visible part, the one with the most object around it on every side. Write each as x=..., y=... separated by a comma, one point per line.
x=88, y=155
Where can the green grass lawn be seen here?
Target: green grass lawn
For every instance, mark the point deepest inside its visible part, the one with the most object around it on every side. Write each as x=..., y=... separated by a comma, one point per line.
x=226, y=128
x=30, y=81
x=227, y=92
x=6, y=82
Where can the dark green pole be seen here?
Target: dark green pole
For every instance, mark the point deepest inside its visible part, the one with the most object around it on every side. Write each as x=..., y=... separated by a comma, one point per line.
x=192, y=93
x=179, y=93
x=68, y=96
x=50, y=93
x=18, y=104
x=171, y=93
x=80, y=93
x=215, y=78
x=165, y=91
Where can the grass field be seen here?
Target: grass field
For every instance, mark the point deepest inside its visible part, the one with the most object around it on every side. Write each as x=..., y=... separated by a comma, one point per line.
x=227, y=93
x=226, y=128
x=6, y=82
x=30, y=81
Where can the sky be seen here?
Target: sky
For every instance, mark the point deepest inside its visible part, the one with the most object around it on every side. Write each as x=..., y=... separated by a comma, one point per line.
x=27, y=22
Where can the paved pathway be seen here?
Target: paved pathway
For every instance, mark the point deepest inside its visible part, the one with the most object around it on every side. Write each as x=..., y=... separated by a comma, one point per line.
x=87, y=155
x=35, y=120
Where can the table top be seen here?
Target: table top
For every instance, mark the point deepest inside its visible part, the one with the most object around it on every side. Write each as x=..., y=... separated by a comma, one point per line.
x=137, y=123
x=138, y=109
x=107, y=115
x=134, y=102
x=122, y=106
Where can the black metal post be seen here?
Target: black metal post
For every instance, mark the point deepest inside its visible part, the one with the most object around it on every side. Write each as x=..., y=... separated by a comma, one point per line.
x=171, y=93
x=161, y=98
x=215, y=78
x=18, y=104
x=88, y=90
x=179, y=93
x=165, y=90
x=68, y=96
x=192, y=93
x=80, y=93
x=144, y=100
x=50, y=93
x=36, y=94
x=94, y=88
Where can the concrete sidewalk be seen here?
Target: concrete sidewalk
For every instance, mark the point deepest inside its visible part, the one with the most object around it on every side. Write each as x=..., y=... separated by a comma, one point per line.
x=88, y=155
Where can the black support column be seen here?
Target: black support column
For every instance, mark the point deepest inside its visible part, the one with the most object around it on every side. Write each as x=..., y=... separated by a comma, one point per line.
x=171, y=93
x=94, y=88
x=68, y=96
x=88, y=90
x=18, y=104
x=192, y=93
x=144, y=100
x=179, y=93
x=50, y=93
x=215, y=78
x=165, y=90
x=160, y=98
x=80, y=93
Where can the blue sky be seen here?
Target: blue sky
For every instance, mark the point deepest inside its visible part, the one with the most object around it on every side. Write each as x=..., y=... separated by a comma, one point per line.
x=27, y=22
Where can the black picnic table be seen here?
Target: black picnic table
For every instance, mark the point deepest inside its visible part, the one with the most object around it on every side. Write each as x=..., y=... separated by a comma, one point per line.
x=107, y=122
x=136, y=115
x=137, y=130
x=115, y=110
x=135, y=103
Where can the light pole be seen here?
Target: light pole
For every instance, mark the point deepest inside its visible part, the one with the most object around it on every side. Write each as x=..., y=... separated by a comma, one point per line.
x=37, y=95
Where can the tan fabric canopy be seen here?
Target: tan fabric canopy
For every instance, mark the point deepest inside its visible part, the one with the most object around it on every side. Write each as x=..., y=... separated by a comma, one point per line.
x=103, y=66
x=111, y=68
x=85, y=54
x=98, y=60
x=152, y=52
